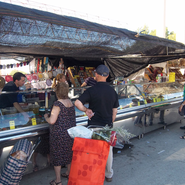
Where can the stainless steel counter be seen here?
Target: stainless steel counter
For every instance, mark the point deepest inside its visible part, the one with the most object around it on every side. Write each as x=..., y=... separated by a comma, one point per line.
x=137, y=118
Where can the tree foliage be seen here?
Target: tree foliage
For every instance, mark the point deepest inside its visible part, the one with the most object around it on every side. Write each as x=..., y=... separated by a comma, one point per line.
x=170, y=35
x=153, y=32
x=145, y=30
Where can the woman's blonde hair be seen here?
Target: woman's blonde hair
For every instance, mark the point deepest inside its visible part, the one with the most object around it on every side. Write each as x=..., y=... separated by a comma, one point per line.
x=62, y=90
x=57, y=79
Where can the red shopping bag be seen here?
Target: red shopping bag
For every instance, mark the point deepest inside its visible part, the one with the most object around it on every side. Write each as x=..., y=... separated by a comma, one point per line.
x=88, y=162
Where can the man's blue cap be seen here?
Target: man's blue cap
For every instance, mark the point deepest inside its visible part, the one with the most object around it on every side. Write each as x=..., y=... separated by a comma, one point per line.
x=102, y=70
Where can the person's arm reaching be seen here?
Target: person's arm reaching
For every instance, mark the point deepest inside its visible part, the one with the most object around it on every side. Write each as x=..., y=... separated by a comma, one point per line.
x=54, y=115
x=19, y=108
x=82, y=108
x=84, y=84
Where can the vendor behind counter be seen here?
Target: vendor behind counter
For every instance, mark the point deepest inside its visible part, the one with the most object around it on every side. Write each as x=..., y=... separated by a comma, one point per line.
x=10, y=99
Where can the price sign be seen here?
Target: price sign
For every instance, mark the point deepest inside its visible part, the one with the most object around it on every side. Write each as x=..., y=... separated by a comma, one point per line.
x=120, y=107
x=145, y=101
x=158, y=99
x=12, y=124
x=34, y=122
x=138, y=103
x=154, y=100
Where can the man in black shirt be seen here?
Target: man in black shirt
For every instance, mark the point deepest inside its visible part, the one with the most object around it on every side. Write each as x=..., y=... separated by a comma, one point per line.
x=10, y=99
x=103, y=103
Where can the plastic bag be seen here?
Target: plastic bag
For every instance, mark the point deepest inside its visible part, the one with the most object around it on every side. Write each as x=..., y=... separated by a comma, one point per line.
x=80, y=131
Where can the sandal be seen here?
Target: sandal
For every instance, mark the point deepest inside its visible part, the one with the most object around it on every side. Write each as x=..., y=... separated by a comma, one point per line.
x=35, y=168
x=182, y=137
x=54, y=183
x=65, y=175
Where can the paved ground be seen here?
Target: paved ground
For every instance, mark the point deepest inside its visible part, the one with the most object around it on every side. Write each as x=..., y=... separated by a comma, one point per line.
x=156, y=159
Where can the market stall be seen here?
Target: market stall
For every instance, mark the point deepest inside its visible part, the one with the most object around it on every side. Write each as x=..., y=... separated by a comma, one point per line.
x=83, y=46
x=143, y=108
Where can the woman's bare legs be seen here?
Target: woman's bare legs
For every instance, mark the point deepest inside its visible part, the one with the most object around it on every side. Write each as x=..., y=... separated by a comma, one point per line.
x=57, y=173
x=68, y=169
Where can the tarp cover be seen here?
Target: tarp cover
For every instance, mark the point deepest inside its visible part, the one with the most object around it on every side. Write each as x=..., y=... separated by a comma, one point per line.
x=25, y=31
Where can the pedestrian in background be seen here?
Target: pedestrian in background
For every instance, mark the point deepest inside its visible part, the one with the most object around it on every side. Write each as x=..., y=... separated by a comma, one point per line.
x=90, y=81
x=58, y=79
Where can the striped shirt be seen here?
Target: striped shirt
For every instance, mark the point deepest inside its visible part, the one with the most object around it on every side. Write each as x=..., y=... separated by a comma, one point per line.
x=90, y=81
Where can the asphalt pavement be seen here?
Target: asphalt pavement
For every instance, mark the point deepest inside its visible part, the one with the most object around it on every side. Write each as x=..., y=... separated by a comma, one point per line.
x=156, y=159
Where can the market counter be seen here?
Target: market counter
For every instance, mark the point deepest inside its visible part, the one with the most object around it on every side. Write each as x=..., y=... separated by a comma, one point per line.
x=142, y=108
